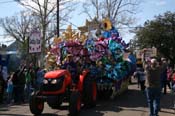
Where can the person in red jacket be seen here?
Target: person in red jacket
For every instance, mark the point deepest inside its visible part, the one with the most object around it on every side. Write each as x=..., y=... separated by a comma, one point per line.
x=173, y=78
x=173, y=87
x=169, y=76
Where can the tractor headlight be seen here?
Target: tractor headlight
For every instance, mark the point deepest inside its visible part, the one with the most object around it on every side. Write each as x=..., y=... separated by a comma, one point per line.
x=54, y=81
x=45, y=81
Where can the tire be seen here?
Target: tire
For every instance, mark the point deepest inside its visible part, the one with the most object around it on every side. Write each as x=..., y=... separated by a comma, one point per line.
x=54, y=102
x=74, y=104
x=89, y=92
x=36, y=105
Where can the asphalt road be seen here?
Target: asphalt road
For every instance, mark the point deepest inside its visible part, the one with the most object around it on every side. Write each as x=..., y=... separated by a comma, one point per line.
x=130, y=103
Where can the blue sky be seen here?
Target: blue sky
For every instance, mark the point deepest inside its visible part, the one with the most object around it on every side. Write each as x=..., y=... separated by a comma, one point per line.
x=147, y=10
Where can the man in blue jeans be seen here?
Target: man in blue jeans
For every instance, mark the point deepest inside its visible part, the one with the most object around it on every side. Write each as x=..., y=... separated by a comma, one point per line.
x=153, y=86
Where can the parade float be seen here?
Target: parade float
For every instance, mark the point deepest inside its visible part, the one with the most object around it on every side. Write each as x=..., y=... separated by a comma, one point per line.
x=112, y=63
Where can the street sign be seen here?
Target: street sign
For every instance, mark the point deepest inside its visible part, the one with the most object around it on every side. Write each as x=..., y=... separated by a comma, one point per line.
x=35, y=42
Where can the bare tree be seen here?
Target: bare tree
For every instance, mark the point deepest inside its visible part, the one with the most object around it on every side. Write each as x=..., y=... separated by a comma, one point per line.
x=41, y=12
x=18, y=27
x=119, y=11
x=46, y=11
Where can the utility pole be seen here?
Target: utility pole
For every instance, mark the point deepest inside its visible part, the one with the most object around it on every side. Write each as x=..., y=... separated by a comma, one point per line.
x=58, y=19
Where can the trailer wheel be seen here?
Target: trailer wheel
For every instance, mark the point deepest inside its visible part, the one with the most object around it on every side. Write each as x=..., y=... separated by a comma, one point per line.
x=74, y=104
x=36, y=104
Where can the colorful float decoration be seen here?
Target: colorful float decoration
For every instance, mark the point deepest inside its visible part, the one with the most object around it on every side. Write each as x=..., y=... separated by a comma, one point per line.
x=104, y=47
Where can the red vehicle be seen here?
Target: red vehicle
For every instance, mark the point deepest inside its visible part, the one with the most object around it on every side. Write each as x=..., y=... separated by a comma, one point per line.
x=58, y=87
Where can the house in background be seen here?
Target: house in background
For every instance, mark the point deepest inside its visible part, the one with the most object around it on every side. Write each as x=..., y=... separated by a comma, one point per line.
x=9, y=56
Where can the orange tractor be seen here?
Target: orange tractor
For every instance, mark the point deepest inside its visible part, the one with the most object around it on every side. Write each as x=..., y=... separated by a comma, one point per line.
x=58, y=87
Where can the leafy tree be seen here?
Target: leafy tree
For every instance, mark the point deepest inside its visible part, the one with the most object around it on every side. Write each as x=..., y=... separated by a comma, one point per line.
x=159, y=33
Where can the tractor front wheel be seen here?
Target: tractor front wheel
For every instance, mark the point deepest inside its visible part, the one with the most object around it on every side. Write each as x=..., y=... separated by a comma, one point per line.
x=36, y=104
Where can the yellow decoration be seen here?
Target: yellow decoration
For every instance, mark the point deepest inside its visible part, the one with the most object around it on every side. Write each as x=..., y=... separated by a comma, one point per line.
x=75, y=35
x=83, y=38
x=107, y=24
x=50, y=61
x=57, y=40
x=69, y=34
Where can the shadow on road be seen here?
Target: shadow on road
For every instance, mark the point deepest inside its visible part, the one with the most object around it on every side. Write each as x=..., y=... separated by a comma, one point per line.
x=131, y=100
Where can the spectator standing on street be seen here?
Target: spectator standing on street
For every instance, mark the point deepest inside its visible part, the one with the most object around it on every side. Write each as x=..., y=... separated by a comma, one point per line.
x=40, y=77
x=28, y=80
x=22, y=81
x=140, y=75
x=2, y=86
x=15, y=81
x=32, y=72
x=169, y=76
x=9, y=88
x=153, y=86
x=173, y=79
x=164, y=75
x=5, y=73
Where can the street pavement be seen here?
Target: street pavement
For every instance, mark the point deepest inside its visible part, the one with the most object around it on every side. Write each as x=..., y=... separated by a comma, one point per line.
x=130, y=103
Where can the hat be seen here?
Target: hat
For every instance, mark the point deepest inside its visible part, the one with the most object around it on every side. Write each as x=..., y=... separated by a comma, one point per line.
x=153, y=61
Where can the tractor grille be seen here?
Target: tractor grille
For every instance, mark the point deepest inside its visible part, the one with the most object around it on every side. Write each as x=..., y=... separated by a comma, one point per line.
x=53, y=87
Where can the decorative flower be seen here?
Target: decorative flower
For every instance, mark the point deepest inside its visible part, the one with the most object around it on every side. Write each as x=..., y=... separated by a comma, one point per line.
x=107, y=25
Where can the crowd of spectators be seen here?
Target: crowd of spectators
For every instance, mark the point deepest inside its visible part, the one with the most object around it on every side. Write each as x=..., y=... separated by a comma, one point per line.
x=16, y=87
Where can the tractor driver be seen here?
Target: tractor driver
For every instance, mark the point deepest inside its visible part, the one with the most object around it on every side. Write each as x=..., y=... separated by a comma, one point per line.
x=71, y=66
